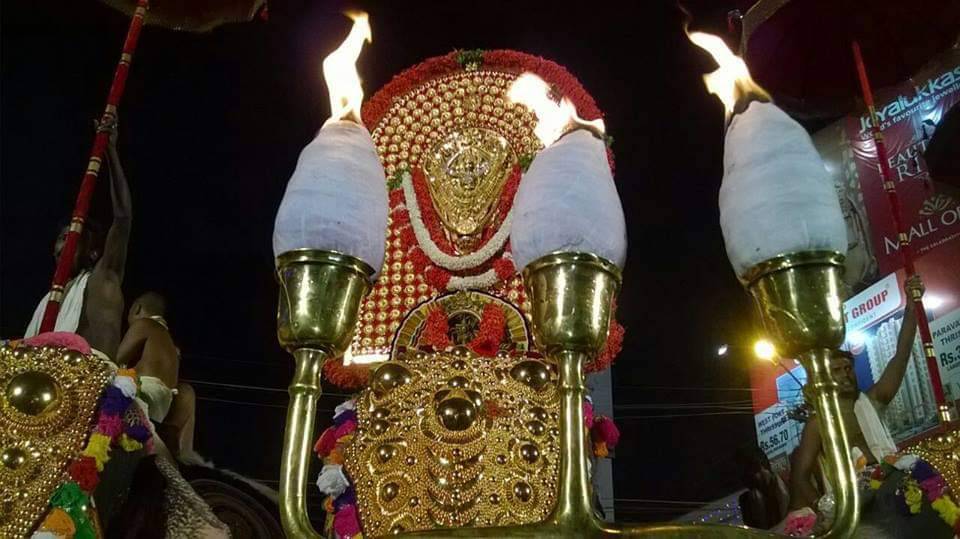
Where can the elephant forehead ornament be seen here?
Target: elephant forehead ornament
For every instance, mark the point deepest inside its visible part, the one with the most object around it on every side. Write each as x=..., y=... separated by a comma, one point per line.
x=451, y=438
x=48, y=397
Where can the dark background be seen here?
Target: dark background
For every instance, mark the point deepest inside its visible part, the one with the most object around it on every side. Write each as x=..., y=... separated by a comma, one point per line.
x=210, y=129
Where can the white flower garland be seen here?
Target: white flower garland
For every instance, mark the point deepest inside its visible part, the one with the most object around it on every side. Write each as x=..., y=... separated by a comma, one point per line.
x=486, y=279
x=450, y=262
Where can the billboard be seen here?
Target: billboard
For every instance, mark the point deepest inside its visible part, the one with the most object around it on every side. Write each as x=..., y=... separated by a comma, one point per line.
x=909, y=113
x=776, y=398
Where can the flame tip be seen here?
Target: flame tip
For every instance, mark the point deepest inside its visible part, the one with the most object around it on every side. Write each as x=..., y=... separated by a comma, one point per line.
x=731, y=81
x=554, y=117
x=340, y=71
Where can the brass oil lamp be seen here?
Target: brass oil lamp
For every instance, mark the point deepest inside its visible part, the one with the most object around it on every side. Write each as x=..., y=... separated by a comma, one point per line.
x=327, y=256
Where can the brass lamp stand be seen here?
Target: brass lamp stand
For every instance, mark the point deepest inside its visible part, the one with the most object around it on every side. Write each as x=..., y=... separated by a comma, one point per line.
x=799, y=299
x=571, y=295
x=320, y=296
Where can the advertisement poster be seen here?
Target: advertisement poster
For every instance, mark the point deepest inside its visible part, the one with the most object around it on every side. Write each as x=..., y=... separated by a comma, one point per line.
x=909, y=114
x=874, y=318
x=777, y=399
x=946, y=342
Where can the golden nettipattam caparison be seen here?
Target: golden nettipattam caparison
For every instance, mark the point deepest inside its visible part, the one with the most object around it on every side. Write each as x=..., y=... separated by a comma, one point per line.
x=49, y=398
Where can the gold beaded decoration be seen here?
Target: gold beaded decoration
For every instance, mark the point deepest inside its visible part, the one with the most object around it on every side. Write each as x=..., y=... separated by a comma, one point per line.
x=451, y=439
x=49, y=396
x=448, y=106
x=942, y=451
x=467, y=111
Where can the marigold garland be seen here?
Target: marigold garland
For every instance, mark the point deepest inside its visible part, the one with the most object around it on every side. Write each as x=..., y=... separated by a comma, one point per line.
x=84, y=472
x=921, y=482
x=70, y=500
x=341, y=501
x=59, y=522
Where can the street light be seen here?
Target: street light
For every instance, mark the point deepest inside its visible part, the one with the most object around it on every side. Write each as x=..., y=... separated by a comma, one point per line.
x=722, y=351
x=764, y=349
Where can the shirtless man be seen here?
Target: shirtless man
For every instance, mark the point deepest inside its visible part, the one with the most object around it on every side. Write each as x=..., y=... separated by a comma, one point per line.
x=100, y=300
x=148, y=348
x=803, y=492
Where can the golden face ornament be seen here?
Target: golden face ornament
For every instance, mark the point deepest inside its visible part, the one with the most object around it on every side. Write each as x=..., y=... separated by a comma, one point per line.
x=466, y=172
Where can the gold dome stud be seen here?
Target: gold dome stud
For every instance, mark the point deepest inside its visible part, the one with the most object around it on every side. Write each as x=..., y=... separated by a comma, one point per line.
x=529, y=453
x=379, y=427
x=531, y=373
x=12, y=458
x=389, y=491
x=33, y=393
x=522, y=491
x=386, y=452
x=456, y=411
x=389, y=376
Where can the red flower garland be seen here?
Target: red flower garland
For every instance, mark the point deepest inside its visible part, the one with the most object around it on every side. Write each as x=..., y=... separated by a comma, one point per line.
x=504, y=266
x=428, y=213
x=486, y=343
x=613, y=346
x=493, y=325
x=347, y=377
x=436, y=329
x=84, y=472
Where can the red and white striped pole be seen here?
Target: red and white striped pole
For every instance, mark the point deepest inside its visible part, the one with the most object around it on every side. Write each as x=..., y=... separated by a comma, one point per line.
x=906, y=250
x=82, y=206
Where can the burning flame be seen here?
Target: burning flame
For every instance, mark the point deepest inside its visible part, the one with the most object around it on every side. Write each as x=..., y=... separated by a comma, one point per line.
x=553, y=118
x=731, y=82
x=340, y=71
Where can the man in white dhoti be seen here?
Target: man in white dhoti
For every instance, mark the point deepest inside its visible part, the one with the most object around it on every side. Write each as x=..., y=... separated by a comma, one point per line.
x=859, y=410
x=881, y=515
x=148, y=348
x=93, y=301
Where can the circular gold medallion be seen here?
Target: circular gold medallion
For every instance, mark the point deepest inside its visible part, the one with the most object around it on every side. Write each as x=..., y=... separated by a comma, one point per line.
x=33, y=393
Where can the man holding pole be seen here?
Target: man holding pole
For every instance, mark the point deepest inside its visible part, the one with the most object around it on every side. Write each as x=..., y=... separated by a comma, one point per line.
x=92, y=305
x=868, y=437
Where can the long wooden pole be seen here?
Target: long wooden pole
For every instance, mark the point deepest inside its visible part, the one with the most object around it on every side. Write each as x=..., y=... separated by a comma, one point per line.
x=82, y=205
x=906, y=251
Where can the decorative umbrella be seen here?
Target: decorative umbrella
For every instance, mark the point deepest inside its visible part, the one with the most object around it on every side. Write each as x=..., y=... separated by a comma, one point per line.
x=799, y=50
x=193, y=15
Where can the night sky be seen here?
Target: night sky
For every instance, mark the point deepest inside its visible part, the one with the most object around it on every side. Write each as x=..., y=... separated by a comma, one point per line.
x=210, y=130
